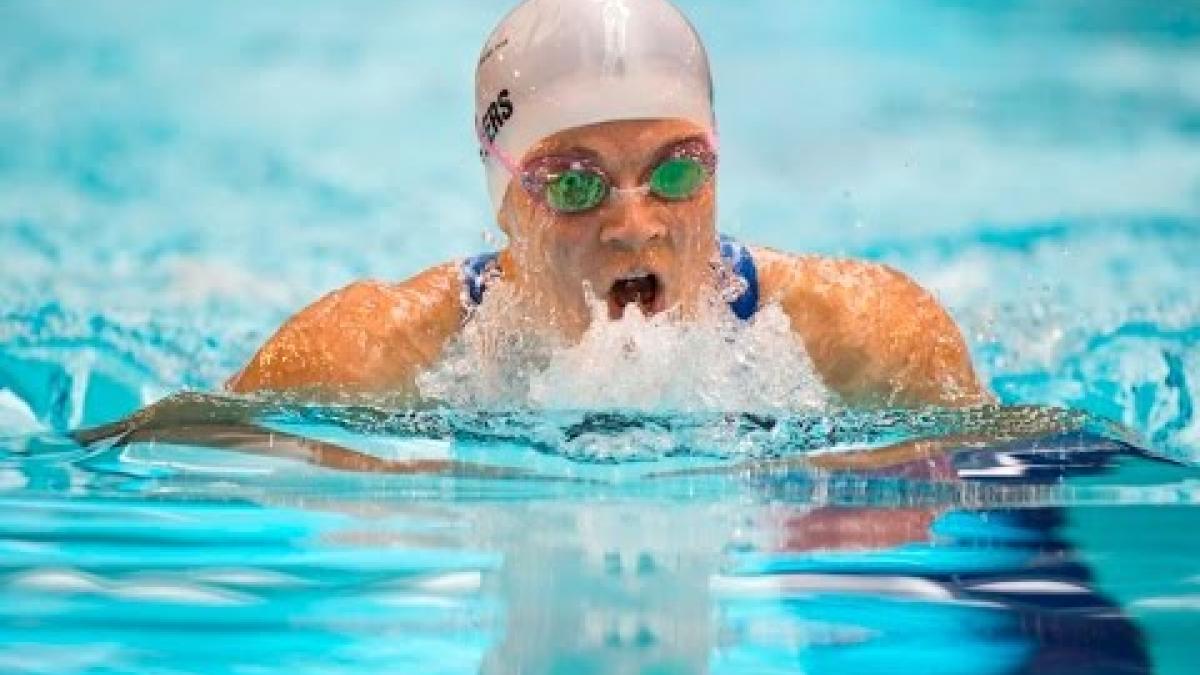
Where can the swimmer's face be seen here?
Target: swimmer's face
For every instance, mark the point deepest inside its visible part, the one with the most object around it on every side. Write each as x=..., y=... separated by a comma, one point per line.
x=633, y=247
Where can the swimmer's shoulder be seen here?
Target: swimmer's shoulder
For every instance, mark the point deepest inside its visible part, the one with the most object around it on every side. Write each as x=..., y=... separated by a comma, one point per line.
x=782, y=275
x=832, y=301
x=370, y=336
x=874, y=333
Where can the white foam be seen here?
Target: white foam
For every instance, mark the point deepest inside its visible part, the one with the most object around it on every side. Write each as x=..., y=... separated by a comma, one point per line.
x=640, y=363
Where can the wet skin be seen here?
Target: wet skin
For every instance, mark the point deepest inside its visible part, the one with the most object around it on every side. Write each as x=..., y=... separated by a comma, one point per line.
x=875, y=337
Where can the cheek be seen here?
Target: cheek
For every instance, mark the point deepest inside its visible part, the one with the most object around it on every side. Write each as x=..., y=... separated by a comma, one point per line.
x=692, y=224
x=567, y=245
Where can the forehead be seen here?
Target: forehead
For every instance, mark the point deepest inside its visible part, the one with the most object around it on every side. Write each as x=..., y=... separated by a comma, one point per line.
x=619, y=138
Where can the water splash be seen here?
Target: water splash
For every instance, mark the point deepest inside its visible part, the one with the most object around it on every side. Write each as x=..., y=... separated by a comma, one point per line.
x=656, y=363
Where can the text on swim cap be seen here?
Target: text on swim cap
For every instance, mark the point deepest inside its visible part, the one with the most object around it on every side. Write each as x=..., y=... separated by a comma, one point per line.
x=498, y=112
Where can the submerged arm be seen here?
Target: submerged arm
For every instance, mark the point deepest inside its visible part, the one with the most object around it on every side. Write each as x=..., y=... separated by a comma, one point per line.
x=985, y=426
x=228, y=423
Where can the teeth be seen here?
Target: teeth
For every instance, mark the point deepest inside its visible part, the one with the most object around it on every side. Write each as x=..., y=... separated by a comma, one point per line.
x=634, y=276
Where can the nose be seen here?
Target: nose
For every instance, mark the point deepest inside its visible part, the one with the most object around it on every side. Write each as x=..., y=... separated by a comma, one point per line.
x=632, y=224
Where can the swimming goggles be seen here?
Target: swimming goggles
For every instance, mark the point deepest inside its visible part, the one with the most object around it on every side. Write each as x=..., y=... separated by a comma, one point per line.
x=572, y=184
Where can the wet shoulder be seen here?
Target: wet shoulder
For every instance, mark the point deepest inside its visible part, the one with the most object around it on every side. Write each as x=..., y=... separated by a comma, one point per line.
x=427, y=295
x=782, y=275
x=370, y=335
x=843, y=298
x=874, y=334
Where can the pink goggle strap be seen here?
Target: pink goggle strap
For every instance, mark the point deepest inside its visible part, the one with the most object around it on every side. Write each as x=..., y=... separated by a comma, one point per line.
x=492, y=150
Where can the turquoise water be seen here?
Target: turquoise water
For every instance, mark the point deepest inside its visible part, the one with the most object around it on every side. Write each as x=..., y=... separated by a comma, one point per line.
x=175, y=179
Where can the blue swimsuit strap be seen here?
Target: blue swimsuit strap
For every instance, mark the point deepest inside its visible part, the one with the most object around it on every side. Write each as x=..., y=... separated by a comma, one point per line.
x=476, y=272
x=737, y=256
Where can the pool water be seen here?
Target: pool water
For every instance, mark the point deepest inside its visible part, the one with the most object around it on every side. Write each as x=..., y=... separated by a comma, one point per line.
x=175, y=179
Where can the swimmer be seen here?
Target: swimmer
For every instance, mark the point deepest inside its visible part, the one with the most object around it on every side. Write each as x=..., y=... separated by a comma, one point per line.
x=599, y=143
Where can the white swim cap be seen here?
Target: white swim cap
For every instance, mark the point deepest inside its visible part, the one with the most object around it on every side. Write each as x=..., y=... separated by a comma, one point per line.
x=556, y=64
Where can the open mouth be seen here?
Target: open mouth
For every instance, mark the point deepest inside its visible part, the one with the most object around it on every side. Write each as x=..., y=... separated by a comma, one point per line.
x=644, y=289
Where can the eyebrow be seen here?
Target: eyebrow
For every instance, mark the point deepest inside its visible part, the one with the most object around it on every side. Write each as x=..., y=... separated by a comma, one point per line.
x=682, y=140
x=567, y=151
x=590, y=153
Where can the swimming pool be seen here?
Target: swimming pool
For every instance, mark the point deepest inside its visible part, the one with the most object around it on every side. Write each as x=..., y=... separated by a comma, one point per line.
x=175, y=179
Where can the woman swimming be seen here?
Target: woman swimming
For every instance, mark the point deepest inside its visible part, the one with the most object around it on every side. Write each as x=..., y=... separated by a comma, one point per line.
x=599, y=143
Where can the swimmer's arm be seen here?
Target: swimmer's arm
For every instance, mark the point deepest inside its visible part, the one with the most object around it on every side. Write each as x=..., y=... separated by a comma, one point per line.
x=368, y=339
x=227, y=423
x=982, y=427
x=875, y=336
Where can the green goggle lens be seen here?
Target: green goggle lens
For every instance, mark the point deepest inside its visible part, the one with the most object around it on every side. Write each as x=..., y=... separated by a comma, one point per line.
x=575, y=190
x=678, y=178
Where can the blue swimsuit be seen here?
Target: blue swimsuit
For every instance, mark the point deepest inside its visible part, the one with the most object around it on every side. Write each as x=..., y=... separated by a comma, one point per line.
x=735, y=255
